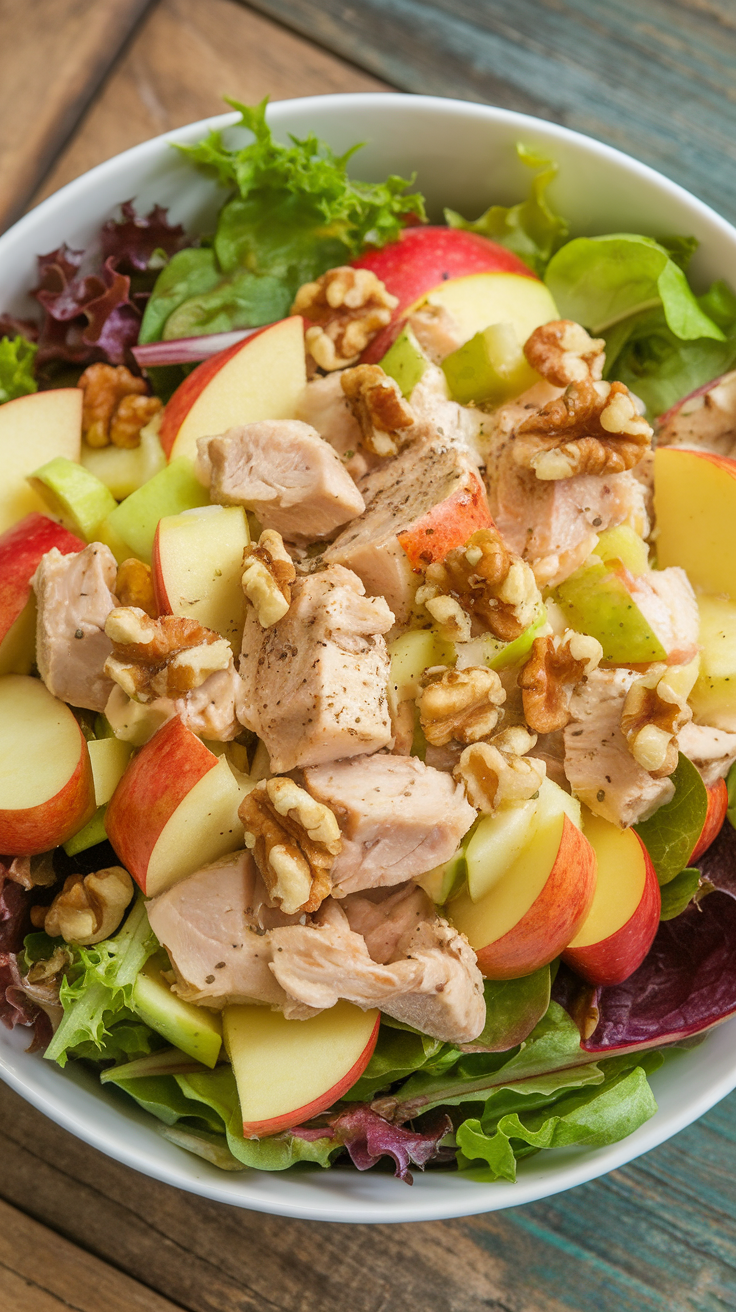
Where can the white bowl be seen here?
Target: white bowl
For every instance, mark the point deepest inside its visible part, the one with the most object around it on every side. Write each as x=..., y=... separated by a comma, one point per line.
x=464, y=156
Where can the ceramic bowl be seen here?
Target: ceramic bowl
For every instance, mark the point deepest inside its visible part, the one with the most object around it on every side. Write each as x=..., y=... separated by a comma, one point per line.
x=463, y=156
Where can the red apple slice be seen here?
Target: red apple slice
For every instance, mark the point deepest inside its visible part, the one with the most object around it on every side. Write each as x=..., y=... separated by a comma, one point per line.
x=714, y=818
x=289, y=1070
x=695, y=511
x=21, y=549
x=619, y=929
x=33, y=430
x=260, y=378
x=46, y=786
x=174, y=810
x=197, y=567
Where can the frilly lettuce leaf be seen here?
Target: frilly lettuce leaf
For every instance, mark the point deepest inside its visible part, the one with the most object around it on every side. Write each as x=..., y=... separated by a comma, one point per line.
x=17, y=356
x=531, y=229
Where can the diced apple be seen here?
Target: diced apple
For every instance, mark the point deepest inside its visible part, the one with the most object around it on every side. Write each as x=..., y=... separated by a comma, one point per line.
x=619, y=929
x=714, y=818
x=260, y=378
x=33, y=430
x=198, y=566
x=624, y=544
x=446, y=525
x=536, y=908
x=109, y=758
x=290, y=1070
x=174, y=810
x=412, y=654
x=713, y=697
x=131, y=528
x=486, y=650
x=124, y=469
x=604, y=600
x=89, y=835
x=445, y=881
x=512, y=299
x=695, y=511
x=196, y=1030
x=46, y=784
x=21, y=549
x=491, y=367
x=496, y=843
x=74, y=495
x=405, y=361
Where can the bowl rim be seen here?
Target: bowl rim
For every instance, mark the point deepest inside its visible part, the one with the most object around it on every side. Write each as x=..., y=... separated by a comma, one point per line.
x=459, y=1197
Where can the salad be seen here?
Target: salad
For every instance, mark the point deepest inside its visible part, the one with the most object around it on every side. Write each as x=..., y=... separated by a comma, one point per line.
x=367, y=646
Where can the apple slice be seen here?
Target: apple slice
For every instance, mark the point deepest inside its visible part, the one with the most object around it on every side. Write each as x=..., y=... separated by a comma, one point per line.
x=713, y=697
x=695, y=511
x=289, y=1070
x=260, y=378
x=495, y=844
x=46, y=784
x=109, y=758
x=405, y=361
x=21, y=549
x=174, y=810
x=537, y=906
x=198, y=566
x=33, y=430
x=131, y=527
x=491, y=367
x=412, y=654
x=74, y=495
x=196, y=1030
x=714, y=818
x=619, y=929
x=124, y=469
x=481, y=299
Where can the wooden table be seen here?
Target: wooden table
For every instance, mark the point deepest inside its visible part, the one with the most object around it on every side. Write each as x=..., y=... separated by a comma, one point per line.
x=81, y=81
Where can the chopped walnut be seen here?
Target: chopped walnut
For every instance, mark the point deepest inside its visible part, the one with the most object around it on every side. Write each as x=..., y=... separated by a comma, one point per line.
x=268, y=574
x=500, y=771
x=563, y=353
x=653, y=714
x=453, y=623
x=593, y=428
x=134, y=586
x=165, y=657
x=489, y=582
x=116, y=406
x=346, y=307
x=381, y=411
x=556, y=664
x=459, y=704
x=89, y=908
x=294, y=841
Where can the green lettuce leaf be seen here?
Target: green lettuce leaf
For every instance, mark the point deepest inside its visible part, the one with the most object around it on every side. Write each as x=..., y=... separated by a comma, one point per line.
x=672, y=832
x=17, y=355
x=397, y=1054
x=513, y=1008
x=97, y=989
x=600, y=281
x=679, y=893
x=128, y=1039
x=530, y=229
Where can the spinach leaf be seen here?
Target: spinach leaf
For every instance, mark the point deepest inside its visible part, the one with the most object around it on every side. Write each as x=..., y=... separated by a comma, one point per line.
x=672, y=832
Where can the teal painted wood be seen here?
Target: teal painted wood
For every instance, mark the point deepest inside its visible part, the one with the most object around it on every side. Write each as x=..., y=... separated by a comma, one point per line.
x=653, y=77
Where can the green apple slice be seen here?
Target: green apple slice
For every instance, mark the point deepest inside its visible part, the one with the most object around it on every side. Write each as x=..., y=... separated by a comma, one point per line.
x=196, y=1030
x=89, y=835
x=713, y=697
x=405, y=361
x=412, y=654
x=624, y=544
x=124, y=469
x=491, y=367
x=445, y=881
x=74, y=496
x=130, y=529
x=596, y=600
x=485, y=650
x=496, y=843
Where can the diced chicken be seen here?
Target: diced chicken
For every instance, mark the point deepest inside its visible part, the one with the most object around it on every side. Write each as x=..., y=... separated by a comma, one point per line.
x=712, y=751
x=666, y=599
x=211, y=710
x=598, y=764
x=418, y=506
x=706, y=420
x=433, y=983
x=214, y=926
x=398, y=816
x=75, y=596
x=324, y=406
x=315, y=683
x=285, y=473
x=437, y=331
x=386, y=918
x=440, y=418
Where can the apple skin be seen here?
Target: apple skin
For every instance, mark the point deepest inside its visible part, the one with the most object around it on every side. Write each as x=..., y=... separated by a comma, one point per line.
x=21, y=550
x=714, y=817
x=447, y=525
x=613, y=959
x=154, y=784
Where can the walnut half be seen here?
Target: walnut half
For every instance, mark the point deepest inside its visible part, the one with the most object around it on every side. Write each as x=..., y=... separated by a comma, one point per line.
x=346, y=307
x=294, y=841
x=564, y=353
x=376, y=402
x=89, y=908
x=653, y=714
x=500, y=771
x=489, y=582
x=268, y=573
x=593, y=428
x=459, y=704
x=116, y=406
x=550, y=674
x=165, y=657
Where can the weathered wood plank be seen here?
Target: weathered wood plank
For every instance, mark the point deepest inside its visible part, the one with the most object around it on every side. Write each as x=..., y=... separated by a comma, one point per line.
x=40, y=1270
x=53, y=57
x=184, y=59
x=654, y=79
x=658, y=1236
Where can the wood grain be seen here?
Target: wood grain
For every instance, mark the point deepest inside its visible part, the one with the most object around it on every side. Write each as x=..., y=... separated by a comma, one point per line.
x=653, y=77
x=184, y=59
x=658, y=1236
x=53, y=58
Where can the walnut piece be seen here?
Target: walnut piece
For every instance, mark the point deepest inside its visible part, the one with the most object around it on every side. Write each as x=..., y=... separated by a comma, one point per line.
x=459, y=704
x=377, y=404
x=556, y=664
x=346, y=307
x=134, y=586
x=89, y=908
x=116, y=406
x=165, y=657
x=294, y=841
x=490, y=583
x=653, y=714
x=500, y=771
x=593, y=428
x=563, y=353
x=268, y=573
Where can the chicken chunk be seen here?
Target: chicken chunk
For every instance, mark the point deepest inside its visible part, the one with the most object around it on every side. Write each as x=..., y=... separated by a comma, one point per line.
x=418, y=506
x=75, y=596
x=315, y=683
x=398, y=817
x=712, y=751
x=285, y=473
x=598, y=764
x=324, y=406
x=433, y=982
